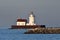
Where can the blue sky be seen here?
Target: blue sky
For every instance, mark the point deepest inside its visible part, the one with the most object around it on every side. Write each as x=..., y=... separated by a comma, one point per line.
x=46, y=11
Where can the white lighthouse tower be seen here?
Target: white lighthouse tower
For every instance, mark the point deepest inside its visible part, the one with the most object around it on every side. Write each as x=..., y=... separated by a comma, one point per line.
x=31, y=19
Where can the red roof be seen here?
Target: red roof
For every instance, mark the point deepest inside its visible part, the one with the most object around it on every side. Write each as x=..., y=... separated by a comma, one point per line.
x=21, y=20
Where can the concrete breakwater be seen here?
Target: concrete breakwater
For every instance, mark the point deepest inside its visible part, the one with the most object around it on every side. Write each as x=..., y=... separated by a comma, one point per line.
x=44, y=31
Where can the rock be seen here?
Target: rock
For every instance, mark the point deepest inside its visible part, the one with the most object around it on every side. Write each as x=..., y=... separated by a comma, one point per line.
x=44, y=31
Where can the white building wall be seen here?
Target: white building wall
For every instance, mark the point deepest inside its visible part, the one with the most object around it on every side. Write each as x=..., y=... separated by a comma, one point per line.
x=21, y=23
x=30, y=24
x=31, y=20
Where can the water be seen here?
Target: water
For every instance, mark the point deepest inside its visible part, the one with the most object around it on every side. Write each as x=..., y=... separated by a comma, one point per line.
x=17, y=34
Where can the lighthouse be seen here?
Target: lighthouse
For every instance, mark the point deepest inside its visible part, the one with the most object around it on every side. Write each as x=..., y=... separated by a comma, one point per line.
x=31, y=19
x=22, y=23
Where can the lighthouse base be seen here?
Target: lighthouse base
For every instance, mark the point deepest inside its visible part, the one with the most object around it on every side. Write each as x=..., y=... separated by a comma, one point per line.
x=27, y=26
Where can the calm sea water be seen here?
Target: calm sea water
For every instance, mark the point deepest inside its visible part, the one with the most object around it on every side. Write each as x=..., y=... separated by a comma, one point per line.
x=17, y=34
